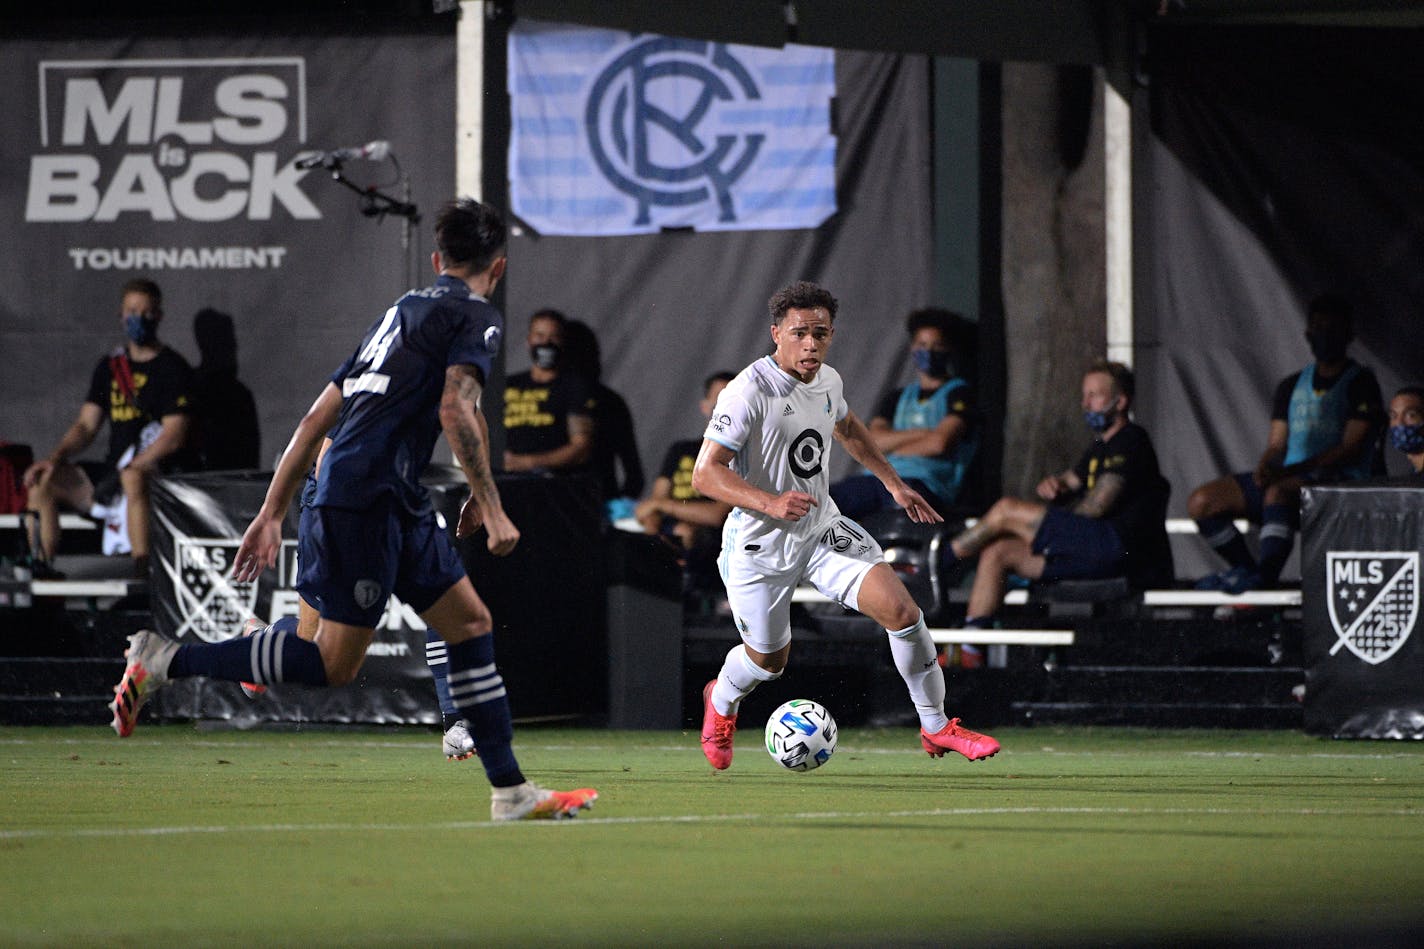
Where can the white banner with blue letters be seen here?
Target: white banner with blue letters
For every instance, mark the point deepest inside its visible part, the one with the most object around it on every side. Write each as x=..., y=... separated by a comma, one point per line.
x=623, y=133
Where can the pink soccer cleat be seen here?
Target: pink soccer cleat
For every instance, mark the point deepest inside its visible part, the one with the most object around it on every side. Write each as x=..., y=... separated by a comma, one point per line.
x=952, y=737
x=717, y=731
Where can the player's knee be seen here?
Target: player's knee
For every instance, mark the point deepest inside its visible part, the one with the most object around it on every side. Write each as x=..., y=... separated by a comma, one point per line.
x=903, y=614
x=1199, y=504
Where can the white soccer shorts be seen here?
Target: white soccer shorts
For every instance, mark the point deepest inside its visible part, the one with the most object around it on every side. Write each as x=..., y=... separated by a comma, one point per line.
x=759, y=593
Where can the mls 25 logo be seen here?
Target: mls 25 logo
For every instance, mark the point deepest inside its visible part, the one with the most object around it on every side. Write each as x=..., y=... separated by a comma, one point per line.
x=1373, y=599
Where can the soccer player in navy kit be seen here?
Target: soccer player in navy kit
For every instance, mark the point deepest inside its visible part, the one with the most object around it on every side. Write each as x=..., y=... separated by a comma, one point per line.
x=765, y=452
x=420, y=369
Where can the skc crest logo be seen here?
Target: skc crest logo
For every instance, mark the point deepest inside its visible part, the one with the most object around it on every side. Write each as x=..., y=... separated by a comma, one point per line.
x=1373, y=600
x=626, y=125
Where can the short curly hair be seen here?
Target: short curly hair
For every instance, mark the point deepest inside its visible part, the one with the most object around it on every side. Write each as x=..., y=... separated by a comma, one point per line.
x=801, y=295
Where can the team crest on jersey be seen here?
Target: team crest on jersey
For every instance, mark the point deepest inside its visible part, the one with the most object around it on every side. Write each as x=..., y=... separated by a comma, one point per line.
x=807, y=453
x=1373, y=600
x=213, y=605
x=367, y=593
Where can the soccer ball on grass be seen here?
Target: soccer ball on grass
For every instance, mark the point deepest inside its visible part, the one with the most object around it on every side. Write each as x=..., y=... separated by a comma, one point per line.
x=801, y=735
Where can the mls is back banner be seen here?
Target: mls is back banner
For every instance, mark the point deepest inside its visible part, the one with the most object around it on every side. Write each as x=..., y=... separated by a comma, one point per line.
x=1360, y=589
x=622, y=133
x=176, y=158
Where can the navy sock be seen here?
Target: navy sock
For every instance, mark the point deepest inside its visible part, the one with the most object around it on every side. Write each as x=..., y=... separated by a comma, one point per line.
x=438, y=660
x=478, y=691
x=1277, y=539
x=267, y=657
x=1223, y=537
x=978, y=622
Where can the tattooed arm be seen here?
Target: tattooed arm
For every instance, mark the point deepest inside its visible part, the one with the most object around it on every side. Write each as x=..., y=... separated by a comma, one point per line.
x=468, y=435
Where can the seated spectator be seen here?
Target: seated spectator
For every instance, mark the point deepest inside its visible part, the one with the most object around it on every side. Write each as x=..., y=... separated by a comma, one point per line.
x=674, y=509
x=144, y=389
x=1406, y=425
x=614, y=443
x=1325, y=423
x=548, y=412
x=1104, y=517
x=225, y=434
x=926, y=430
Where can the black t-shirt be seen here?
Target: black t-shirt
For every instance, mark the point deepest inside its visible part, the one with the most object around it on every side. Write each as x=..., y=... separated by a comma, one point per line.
x=677, y=467
x=536, y=414
x=1140, y=511
x=162, y=386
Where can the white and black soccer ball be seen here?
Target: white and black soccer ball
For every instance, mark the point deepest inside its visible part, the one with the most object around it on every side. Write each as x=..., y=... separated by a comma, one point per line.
x=801, y=735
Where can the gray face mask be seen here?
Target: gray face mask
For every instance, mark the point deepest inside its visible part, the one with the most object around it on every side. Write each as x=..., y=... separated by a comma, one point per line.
x=545, y=355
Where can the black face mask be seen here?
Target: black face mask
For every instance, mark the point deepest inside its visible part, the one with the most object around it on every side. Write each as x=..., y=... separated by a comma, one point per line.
x=545, y=355
x=1328, y=347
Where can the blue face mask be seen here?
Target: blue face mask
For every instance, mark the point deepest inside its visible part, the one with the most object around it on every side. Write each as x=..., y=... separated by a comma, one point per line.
x=1407, y=438
x=142, y=328
x=1099, y=422
x=934, y=362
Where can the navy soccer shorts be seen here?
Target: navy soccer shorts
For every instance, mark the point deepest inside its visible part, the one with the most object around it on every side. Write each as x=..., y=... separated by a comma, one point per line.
x=1077, y=547
x=352, y=561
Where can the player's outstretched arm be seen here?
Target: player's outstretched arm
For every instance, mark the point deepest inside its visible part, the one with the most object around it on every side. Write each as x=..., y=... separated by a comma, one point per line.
x=263, y=538
x=468, y=435
x=855, y=437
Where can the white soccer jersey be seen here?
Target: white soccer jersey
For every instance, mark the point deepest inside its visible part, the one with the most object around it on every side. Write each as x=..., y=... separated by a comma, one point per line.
x=781, y=430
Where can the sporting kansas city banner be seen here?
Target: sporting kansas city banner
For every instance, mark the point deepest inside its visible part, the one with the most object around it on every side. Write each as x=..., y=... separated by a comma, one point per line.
x=624, y=133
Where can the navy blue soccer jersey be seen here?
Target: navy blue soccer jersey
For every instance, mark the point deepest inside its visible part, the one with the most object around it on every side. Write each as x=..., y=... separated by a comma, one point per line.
x=391, y=391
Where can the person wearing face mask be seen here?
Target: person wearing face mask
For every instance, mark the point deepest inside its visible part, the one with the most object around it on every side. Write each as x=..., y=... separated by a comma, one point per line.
x=548, y=411
x=144, y=390
x=1325, y=426
x=925, y=430
x=1406, y=426
x=1103, y=517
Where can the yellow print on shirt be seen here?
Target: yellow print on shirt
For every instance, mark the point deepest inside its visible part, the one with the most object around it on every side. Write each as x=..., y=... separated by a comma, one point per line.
x=682, y=489
x=525, y=408
x=120, y=408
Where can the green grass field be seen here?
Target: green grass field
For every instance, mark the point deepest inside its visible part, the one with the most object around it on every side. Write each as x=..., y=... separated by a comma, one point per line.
x=1070, y=836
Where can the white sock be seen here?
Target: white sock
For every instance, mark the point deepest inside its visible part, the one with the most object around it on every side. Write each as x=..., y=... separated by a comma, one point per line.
x=918, y=661
x=739, y=676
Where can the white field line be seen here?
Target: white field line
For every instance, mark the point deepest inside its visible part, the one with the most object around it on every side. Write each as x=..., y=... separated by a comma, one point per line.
x=910, y=749
x=445, y=826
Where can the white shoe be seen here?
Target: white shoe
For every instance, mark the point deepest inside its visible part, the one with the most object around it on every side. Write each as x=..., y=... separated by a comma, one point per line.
x=528, y=801
x=458, y=744
x=148, y=655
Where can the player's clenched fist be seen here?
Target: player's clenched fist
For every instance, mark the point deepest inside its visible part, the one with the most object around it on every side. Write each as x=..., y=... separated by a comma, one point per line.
x=791, y=505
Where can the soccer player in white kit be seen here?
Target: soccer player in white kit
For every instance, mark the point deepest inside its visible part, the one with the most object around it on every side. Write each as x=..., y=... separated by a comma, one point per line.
x=765, y=452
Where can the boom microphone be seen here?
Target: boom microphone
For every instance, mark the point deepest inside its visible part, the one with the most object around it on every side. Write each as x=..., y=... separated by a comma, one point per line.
x=373, y=151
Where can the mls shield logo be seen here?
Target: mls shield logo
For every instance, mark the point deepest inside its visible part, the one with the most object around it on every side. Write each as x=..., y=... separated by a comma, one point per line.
x=212, y=604
x=1373, y=599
